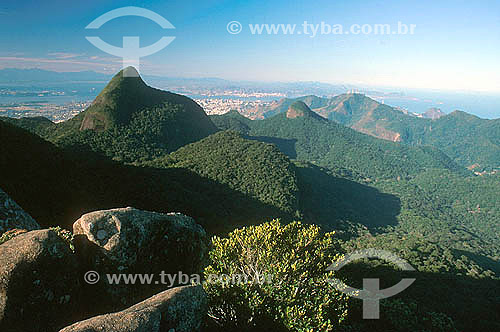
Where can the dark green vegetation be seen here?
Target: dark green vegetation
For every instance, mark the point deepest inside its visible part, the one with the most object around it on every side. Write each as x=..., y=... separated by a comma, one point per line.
x=297, y=189
x=438, y=215
x=282, y=291
x=58, y=186
x=420, y=190
x=465, y=138
x=309, y=137
x=255, y=169
x=129, y=121
x=287, y=286
x=138, y=146
x=454, y=283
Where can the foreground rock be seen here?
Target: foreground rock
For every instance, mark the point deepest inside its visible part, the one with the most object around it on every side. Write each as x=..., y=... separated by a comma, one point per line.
x=180, y=309
x=12, y=216
x=131, y=241
x=38, y=282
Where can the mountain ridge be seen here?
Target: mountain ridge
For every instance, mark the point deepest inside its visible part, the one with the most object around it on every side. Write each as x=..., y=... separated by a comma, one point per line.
x=466, y=138
x=332, y=145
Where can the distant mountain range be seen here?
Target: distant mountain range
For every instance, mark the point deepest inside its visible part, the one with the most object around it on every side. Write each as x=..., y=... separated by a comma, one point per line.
x=46, y=77
x=14, y=75
x=305, y=135
x=222, y=179
x=319, y=160
x=467, y=139
x=134, y=123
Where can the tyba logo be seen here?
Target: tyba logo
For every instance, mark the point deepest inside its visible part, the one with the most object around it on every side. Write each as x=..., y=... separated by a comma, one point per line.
x=131, y=52
x=371, y=293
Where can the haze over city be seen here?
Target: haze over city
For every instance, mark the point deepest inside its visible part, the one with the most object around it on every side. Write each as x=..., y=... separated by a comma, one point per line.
x=249, y=166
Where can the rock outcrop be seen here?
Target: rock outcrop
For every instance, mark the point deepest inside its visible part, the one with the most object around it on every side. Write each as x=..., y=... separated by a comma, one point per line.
x=38, y=282
x=12, y=216
x=131, y=241
x=433, y=113
x=180, y=309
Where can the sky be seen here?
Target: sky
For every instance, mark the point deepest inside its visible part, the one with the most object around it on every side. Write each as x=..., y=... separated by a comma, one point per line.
x=455, y=44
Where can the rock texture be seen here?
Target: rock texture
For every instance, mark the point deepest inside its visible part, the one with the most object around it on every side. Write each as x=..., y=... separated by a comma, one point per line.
x=13, y=217
x=131, y=241
x=38, y=282
x=180, y=309
x=433, y=113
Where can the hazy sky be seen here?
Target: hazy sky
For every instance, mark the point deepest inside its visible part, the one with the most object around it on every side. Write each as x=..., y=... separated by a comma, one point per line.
x=456, y=44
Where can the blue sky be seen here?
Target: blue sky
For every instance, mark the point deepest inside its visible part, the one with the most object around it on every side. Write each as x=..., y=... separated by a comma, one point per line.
x=456, y=44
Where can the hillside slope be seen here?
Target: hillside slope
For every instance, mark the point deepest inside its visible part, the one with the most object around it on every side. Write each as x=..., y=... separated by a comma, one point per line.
x=57, y=186
x=312, y=138
x=129, y=121
x=253, y=168
x=467, y=139
x=304, y=191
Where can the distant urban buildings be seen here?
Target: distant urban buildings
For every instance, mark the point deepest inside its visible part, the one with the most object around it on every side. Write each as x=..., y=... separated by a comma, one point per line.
x=221, y=105
x=55, y=113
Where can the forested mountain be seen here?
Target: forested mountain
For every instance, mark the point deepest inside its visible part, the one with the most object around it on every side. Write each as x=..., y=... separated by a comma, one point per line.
x=467, y=139
x=300, y=189
x=142, y=147
x=307, y=136
x=436, y=198
x=129, y=121
x=255, y=169
x=441, y=218
x=56, y=186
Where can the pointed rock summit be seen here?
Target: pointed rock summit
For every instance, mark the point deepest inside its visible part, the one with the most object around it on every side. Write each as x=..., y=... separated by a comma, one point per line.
x=132, y=114
x=124, y=94
x=130, y=72
x=127, y=94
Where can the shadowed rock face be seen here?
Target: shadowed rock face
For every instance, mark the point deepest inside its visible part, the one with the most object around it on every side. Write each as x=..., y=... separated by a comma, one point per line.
x=180, y=309
x=12, y=216
x=38, y=282
x=132, y=241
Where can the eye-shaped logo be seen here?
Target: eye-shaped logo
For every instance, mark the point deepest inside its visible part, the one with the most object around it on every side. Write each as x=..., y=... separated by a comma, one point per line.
x=131, y=52
x=371, y=293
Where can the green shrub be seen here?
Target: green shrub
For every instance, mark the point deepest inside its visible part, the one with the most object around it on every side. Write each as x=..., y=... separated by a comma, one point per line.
x=294, y=259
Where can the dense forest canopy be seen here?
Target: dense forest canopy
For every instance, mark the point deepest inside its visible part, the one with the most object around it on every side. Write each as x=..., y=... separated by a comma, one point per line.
x=155, y=150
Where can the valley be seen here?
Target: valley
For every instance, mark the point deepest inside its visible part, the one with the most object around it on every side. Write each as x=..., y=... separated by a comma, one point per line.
x=372, y=174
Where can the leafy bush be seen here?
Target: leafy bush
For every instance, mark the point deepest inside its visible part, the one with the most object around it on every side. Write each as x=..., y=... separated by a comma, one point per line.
x=287, y=284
